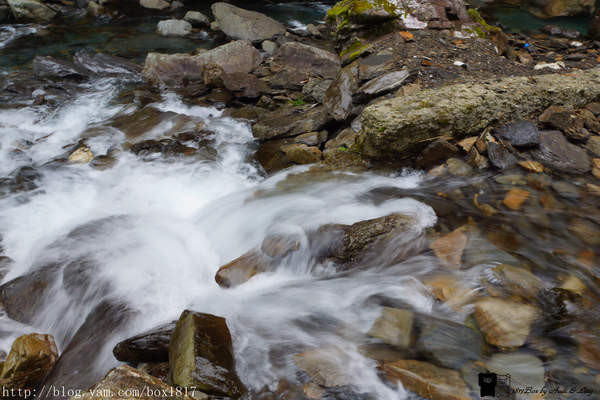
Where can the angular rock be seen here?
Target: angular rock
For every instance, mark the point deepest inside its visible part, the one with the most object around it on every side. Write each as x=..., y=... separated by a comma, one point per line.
x=504, y=323
x=393, y=127
x=30, y=360
x=338, y=97
x=148, y=347
x=244, y=85
x=520, y=134
x=177, y=69
x=394, y=326
x=447, y=343
x=500, y=156
x=99, y=64
x=436, y=151
x=124, y=379
x=302, y=154
x=556, y=153
x=593, y=145
x=201, y=355
x=290, y=121
x=315, y=88
x=295, y=62
x=31, y=10
x=174, y=27
x=196, y=18
x=516, y=280
x=427, y=380
x=383, y=84
x=238, y=23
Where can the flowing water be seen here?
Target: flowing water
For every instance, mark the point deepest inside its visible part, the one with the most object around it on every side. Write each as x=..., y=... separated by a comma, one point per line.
x=151, y=232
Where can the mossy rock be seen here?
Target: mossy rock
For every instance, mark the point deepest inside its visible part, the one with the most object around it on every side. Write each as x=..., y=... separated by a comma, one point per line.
x=350, y=12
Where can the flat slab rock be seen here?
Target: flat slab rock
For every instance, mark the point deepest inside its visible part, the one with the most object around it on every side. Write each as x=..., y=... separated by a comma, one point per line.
x=238, y=23
x=392, y=128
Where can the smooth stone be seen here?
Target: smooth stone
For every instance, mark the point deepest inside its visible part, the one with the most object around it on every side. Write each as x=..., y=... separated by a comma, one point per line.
x=155, y=4
x=504, y=323
x=174, y=27
x=238, y=23
x=394, y=326
x=196, y=18
x=520, y=133
x=500, y=157
x=148, y=347
x=458, y=167
x=32, y=10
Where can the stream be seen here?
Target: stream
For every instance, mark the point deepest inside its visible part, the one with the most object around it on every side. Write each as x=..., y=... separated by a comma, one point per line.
x=151, y=231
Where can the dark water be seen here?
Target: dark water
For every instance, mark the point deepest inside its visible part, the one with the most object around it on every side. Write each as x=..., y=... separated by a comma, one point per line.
x=516, y=19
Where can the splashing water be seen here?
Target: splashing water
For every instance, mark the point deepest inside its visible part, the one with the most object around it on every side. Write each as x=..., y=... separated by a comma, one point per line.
x=157, y=231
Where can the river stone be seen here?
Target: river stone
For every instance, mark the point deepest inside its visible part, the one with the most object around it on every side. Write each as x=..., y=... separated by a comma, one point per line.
x=525, y=370
x=55, y=68
x=242, y=269
x=315, y=88
x=125, y=378
x=175, y=69
x=516, y=280
x=100, y=64
x=288, y=121
x=447, y=343
x=500, y=157
x=384, y=84
x=326, y=366
x=394, y=326
x=381, y=241
x=155, y=4
x=242, y=24
x=338, y=97
x=72, y=370
x=392, y=128
x=458, y=167
x=30, y=360
x=480, y=251
x=148, y=347
x=196, y=18
x=556, y=153
x=504, y=323
x=520, y=133
x=437, y=151
x=201, y=355
x=174, y=27
x=294, y=62
x=450, y=247
x=593, y=145
x=427, y=380
x=32, y=10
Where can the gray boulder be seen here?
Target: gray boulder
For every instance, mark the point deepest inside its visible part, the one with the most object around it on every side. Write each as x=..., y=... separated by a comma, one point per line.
x=174, y=27
x=238, y=23
x=196, y=18
x=175, y=69
x=31, y=10
x=557, y=153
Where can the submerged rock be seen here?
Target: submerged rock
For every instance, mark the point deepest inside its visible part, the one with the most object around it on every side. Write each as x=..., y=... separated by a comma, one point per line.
x=238, y=23
x=392, y=128
x=394, y=326
x=30, y=360
x=427, y=380
x=325, y=366
x=201, y=355
x=504, y=323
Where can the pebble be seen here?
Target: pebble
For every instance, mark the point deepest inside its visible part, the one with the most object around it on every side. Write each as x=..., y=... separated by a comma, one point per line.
x=515, y=198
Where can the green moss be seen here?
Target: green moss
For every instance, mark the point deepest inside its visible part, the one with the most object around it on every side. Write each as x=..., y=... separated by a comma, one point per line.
x=353, y=51
x=298, y=102
x=345, y=11
x=484, y=28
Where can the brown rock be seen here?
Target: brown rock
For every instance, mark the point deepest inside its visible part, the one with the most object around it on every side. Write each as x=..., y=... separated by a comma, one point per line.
x=242, y=269
x=326, y=366
x=504, y=323
x=449, y=248
x=301, y=153
x=532, y=166
x=428, y=380
x=468, y=143
x=394, y=326
x=515, y=198
x=30, y=360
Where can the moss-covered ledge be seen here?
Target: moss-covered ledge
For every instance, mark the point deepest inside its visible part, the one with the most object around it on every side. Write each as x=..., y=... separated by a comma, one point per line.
x=391, y=129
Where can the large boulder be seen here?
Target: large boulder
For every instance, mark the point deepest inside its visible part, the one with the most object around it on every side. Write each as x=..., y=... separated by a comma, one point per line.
x=238, y=23
x=174, y=27
x=338, y=97
x=124, y=379
x=393, y=128
x=179, y=69
x=201, y=355
x=31, y=10
x=30, y=360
